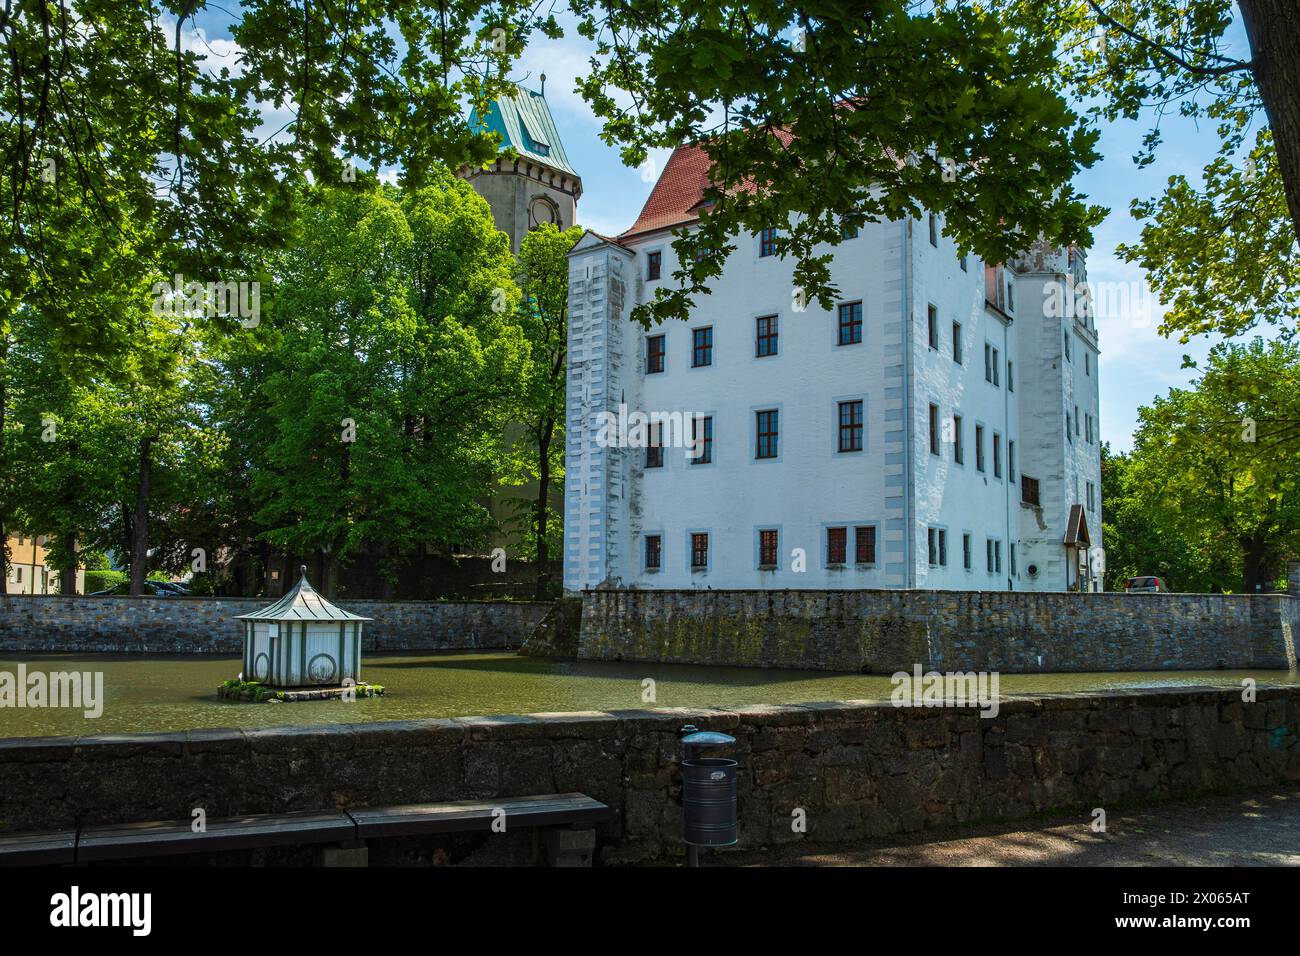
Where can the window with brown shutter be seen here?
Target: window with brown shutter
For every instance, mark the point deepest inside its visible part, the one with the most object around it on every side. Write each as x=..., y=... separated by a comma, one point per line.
x=850, y=426
x=654, y=354
x=767, y=548
x=768, y=434
x=654, y=451
x=864, y=544
x=702, y=440
x=850, y=314
x=837, y=540
x=699, y=550
x=766, y=339
x=653, y=552
x=702, y=347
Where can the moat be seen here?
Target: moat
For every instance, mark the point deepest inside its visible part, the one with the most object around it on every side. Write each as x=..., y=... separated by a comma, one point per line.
x=157, y=693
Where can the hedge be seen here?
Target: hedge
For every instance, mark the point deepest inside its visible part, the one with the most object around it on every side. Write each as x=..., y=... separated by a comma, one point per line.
x=103, y=580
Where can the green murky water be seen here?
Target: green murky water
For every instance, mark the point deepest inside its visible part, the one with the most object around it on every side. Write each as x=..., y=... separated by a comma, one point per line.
x=179, y=693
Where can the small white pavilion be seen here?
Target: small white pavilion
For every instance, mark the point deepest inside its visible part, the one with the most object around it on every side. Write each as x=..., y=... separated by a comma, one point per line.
x=302, y=640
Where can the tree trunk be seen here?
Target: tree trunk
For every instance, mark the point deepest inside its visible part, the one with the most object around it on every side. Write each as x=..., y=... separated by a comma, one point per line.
x=68, y=575
x=543, y=502
x=140, y=524
x=1273, y=29
x=329, y=574
x=1253, y=569
x=124, y=552
x=386, y=586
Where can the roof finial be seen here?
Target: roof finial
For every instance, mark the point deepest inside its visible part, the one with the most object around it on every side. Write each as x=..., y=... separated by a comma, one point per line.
x=543, y=84
x=302, y=571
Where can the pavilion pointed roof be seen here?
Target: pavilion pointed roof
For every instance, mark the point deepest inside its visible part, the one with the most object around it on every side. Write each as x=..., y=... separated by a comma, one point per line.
x=302, y=603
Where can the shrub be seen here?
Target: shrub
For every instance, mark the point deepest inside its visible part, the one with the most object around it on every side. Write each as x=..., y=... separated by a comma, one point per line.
x=103, y=580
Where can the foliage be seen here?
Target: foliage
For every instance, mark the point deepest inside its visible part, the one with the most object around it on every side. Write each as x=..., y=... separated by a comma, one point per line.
x=1221, y=252
x=131, y=149
x=1214, y=474
x=1137, y=542
x=539, y=456
x=814, y=116
x=89, y=450
x=93, y=560
x=102, y=580
x=387, y=393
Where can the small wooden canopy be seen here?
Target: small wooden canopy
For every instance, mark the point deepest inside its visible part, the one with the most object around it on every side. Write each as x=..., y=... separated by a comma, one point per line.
x=302, y=604
x=1076, y=529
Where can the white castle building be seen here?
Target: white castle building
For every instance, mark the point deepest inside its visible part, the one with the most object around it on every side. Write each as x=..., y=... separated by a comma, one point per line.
x=937, y=429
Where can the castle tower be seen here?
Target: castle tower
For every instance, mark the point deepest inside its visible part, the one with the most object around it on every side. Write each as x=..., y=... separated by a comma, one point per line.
x=538, y=185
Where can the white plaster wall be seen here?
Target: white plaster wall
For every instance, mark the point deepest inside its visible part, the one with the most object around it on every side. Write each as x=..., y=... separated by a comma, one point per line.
x=1055, y=387
x=810, y=485
x=955, y=497
x=613, y=501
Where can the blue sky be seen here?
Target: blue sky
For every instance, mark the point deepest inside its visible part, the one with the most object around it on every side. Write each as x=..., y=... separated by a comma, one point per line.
x=1136, y=362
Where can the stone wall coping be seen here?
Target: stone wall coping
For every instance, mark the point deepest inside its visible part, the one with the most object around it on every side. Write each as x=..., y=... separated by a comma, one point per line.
x=452, y=731
x=1089, y=596
x=184, y=598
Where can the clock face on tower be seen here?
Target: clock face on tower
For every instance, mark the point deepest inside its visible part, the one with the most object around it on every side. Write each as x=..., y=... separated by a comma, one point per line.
x=542, y=210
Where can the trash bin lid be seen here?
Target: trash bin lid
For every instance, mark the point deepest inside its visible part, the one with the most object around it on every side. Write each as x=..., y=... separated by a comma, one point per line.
x=707, y=738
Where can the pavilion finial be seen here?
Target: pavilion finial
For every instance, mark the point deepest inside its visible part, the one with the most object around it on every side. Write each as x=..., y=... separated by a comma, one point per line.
x=302, y=572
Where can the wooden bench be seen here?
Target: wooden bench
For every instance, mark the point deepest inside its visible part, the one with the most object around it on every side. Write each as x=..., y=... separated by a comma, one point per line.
x=130, y=841
x=39, y=849
x=568, y=818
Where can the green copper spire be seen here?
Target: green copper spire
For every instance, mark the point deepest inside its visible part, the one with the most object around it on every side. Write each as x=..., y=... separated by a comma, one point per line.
x=526, y=125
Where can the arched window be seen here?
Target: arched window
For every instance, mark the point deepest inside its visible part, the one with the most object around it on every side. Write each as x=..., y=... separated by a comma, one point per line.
x=541, y=210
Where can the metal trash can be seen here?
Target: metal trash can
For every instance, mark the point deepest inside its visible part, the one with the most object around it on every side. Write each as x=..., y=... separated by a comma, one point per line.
x=708, y=792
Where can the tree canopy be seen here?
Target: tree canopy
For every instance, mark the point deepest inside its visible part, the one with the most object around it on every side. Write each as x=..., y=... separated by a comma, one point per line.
x=1221, y=252
x=1212, y=488
x=818, y=116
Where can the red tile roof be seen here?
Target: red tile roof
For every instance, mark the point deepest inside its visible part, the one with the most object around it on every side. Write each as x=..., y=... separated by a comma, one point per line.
x=678, y=192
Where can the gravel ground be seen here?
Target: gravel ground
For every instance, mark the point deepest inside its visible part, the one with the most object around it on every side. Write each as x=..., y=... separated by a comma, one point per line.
x=1256, y=829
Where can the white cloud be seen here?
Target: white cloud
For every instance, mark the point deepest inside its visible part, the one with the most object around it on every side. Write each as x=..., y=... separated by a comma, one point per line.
x=563, y=61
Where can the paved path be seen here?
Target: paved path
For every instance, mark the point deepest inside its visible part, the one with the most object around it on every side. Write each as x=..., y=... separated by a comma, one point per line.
x=1258, y=829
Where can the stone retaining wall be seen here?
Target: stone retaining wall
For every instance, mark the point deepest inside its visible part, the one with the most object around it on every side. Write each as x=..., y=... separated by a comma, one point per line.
x=885, y=631
x=856, y=769
x=206, y=625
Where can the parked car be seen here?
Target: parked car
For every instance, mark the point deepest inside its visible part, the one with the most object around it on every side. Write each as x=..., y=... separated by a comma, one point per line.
x=151, y=589
x=1145, y=585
